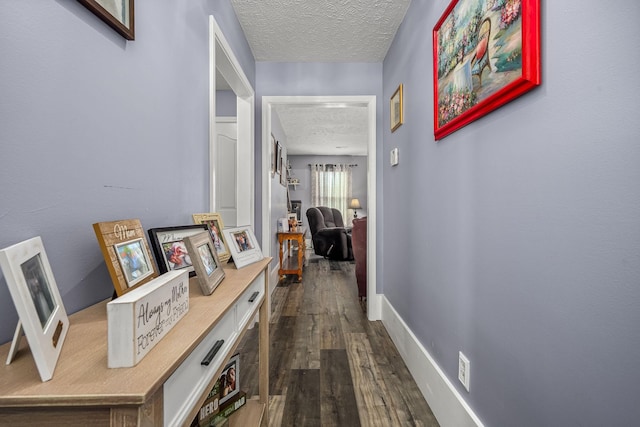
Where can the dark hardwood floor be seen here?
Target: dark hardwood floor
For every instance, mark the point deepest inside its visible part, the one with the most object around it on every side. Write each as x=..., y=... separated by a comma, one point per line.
x=329, y=365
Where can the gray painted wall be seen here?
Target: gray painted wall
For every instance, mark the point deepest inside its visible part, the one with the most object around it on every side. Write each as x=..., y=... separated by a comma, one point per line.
x=279, y=206
x=301, y=170
x=94, y=128
x=525, y=225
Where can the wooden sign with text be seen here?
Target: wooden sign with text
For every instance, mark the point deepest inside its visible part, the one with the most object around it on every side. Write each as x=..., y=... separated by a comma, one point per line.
x=138, y=320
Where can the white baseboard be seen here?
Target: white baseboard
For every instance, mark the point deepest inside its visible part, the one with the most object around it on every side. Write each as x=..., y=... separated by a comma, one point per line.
x=447, y=404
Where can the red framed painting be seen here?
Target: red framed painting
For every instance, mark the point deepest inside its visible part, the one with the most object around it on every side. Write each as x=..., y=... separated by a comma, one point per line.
x=485, y=54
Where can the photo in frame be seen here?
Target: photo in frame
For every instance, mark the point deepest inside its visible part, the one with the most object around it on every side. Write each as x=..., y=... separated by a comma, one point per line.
x=205, y=261
x=284, y=173
x=118, y=14
x=169, y=248
x=396, y=107
x=278, y=154
x=274, y=154
x=485, y=54
x=35, y=294
x=214, y=221
x=230, y=379
x=243, y=245
x=126, y=253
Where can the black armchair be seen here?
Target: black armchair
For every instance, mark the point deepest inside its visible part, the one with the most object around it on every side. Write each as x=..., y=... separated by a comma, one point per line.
x=330, y=237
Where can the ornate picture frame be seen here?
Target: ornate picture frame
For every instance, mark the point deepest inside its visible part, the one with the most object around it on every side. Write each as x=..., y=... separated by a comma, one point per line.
x=118, y=14
x=244, y=246
x=126, y=253
x=485, y=54
x=169, y=248
x=396, y=108
x=205, y=261
x=35, y=294
x=214, y=221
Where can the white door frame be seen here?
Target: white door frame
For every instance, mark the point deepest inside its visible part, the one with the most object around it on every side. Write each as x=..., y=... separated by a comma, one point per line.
x=268, y=102
x=222, y=60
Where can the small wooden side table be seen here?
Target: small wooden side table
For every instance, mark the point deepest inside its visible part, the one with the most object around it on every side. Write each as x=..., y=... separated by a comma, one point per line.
x=288, y=236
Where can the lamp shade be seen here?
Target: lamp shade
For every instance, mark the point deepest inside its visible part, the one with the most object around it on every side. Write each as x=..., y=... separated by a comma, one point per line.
x=354, y=204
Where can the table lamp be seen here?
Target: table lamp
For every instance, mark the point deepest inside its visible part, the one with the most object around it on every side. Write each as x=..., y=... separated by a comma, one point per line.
x=355, y=204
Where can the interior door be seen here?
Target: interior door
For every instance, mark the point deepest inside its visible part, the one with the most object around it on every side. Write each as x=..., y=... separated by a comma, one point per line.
x=226, y=166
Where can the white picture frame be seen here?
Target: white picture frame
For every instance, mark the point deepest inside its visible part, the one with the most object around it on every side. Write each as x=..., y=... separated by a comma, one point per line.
x=243, y=245
x=230, y=379
x=35, y=295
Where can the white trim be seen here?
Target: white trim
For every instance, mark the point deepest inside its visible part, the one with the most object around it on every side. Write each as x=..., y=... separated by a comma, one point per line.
x=221, y=58
x=369, y=101
x=445, y=401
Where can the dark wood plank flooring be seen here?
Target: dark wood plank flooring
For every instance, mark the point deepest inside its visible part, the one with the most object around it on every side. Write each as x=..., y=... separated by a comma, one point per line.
x=329, y=365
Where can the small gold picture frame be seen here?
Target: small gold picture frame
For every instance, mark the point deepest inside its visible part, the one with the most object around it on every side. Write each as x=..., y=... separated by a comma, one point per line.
x=396, y=108
x=214, y=221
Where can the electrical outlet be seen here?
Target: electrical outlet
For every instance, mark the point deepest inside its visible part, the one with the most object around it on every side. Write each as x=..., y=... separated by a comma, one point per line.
x=464, y=367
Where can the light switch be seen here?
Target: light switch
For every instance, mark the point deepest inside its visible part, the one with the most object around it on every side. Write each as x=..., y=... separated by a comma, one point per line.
x=394, y=157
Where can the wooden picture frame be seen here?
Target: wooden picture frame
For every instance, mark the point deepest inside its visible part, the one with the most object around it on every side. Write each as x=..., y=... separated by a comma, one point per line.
x=214, y=221
x=41, y=312
x=396, y=108
x=484, y=55
x=126, y=253
x=230, y=379
x=169, y=248
x=243, y=245
x=118, y=14
x=205, y=261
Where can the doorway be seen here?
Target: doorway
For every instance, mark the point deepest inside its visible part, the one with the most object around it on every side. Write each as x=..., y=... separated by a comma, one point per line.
x=270, y=102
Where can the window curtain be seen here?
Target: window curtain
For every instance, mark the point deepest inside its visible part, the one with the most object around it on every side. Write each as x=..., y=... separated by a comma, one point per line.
x=331, y=187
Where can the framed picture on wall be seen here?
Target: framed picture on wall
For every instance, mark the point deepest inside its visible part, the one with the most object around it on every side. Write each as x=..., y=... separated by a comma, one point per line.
x=485, y=54
x=126, y=253
x=278, y=153
x=274, y=154
x=118, y=14
x=284, y=174
x=396, y=108
x=35, y=295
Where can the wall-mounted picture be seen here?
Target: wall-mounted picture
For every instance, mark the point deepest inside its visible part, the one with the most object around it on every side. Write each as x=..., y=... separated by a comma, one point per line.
x=205, y=261
x=118, y=14
x=41, y=313
x=274, y=154
x=278, y=153
x=485, y=54
x=126, y=253
x=243, y=245
x=284, y=173
x=230, y=379
x=169, y=248
x=214, y=221
x=396, y=108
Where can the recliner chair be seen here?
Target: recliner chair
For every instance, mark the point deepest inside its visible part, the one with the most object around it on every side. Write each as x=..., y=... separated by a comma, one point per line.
x=331, y=239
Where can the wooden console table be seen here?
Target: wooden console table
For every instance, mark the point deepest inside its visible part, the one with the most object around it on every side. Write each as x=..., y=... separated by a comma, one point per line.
x=167, y=387
x=288, y=236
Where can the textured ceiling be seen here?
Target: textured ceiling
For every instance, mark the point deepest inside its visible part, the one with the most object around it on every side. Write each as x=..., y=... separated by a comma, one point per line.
x=324, y=129
x=320, y=30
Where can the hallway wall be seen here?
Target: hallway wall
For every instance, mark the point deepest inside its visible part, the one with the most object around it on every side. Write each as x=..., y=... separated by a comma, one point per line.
x=95, y=128
x=524, y=249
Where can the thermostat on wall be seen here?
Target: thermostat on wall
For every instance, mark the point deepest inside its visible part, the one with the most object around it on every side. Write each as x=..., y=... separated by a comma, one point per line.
x=394, y=157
